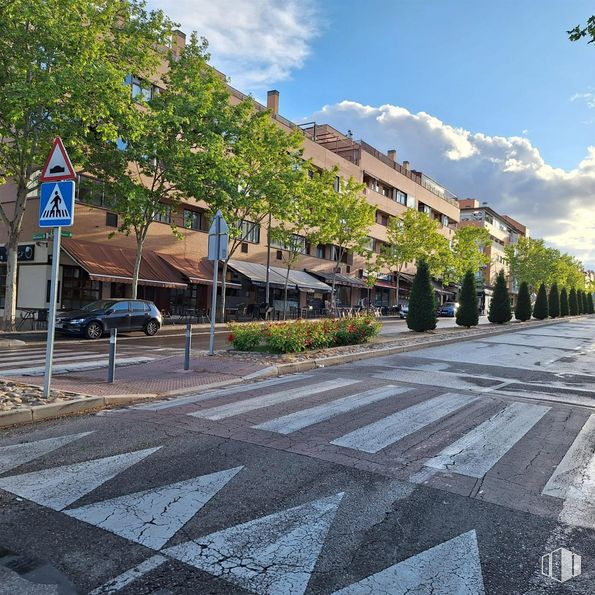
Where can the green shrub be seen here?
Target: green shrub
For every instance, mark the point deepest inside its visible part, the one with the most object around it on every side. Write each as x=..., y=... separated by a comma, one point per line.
x=245, y=337
x=500, y=310
x=554, y=301
x=590, y=304
x=564, y=310
x=468, y=312
x=522, y=311
x=541, y=310
x=422, y=306
x=300, y=335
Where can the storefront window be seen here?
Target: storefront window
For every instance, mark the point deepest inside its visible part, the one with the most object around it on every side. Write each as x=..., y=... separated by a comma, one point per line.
x=2, y=284
x=77, y=288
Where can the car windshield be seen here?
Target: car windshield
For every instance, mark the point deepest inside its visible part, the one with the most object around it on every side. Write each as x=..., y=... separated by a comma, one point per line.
x=99, y=305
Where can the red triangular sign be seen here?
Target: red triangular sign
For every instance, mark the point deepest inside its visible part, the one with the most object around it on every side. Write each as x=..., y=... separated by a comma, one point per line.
x=58, y=166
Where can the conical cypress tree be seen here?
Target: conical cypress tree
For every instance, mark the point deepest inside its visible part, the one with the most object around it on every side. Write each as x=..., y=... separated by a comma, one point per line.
x=468, y=312
x=583, y=302
x=422, y=307
x=573, y=302
x=554, y=301
x=522, y=311
x=579, y=301
x=590, y=304
x=540, y=310
x=564, y=311
x=500, y=310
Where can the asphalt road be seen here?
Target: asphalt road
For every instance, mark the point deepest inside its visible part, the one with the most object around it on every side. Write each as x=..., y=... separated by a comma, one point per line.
x=448, y=470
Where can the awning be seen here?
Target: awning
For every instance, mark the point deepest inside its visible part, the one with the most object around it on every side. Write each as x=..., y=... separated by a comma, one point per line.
x=308, y=283
x=340, y=279
x=112, y=263
x=406, y=277
x=439, y=288
x=381, y=283
x=257, y=273
x=197, y=272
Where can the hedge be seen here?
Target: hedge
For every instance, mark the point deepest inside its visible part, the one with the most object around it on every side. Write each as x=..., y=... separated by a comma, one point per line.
x=301, y=335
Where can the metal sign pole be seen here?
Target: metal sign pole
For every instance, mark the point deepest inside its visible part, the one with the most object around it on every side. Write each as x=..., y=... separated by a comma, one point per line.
x=49, y=352
x=111, y=369
x=214, y=298
x=188, y=346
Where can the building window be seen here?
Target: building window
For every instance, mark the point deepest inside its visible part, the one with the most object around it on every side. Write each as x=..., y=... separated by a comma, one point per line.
x=369, y=245
x=401, y=197
x=2, y=284
x=297, y=244
x=164, y=216
x=424, y=209
x=111, y=219
x=381, y=218
x=142, y=89
x=244, y=248
x=444, y=220
x=196, y=220
x=320, y=251
x=77, y=288
x=337, y=184
x=92, y=192
x=250, y=231
x=279, y=255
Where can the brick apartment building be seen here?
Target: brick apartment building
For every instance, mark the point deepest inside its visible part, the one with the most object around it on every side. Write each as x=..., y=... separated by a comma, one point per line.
x=176, y=273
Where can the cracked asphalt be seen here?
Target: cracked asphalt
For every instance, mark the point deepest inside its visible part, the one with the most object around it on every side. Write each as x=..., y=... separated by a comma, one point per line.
x=445, y=470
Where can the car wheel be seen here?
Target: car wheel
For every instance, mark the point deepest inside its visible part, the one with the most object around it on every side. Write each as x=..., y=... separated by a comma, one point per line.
x=94, y=331
x=151, y=328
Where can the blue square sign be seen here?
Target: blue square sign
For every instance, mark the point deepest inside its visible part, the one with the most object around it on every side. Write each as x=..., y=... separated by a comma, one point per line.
x=56, y=204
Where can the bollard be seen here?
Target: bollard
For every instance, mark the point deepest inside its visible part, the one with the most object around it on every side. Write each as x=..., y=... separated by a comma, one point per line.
x=188, y=346
x=113, y=336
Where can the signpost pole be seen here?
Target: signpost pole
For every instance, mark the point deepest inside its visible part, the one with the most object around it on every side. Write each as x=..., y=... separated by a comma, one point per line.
x=214, y=295
x=49, y=352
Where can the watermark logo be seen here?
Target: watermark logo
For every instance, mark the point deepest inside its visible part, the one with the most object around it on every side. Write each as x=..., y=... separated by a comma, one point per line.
x=561, y=565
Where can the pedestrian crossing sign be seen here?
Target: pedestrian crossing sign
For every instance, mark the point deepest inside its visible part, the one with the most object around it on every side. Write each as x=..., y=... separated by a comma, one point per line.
x=56, y=204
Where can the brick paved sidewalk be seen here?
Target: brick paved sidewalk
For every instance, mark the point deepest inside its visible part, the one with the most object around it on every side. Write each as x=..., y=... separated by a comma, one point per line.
x=152, y=378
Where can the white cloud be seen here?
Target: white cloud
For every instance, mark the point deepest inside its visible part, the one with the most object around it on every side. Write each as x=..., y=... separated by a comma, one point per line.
x=254, y=42
x=507, y=172
x=588, y=98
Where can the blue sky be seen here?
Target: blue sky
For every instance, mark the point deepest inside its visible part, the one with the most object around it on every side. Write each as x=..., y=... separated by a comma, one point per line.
x=490, y=98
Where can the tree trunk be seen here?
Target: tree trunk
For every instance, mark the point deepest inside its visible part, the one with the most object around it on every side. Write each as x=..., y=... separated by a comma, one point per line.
x=285, y=294
x=10, y=301
x=137, y=262
x=221, y=308
x=398, y=286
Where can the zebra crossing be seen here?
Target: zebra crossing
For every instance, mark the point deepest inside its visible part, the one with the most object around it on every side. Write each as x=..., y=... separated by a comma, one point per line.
x=472, y=434
x=30, y=361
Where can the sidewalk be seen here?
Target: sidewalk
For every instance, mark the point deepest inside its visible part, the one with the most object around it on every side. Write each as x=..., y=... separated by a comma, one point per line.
x=152, y=379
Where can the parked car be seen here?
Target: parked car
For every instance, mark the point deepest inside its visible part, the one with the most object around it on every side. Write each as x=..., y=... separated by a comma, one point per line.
x=97, y=318
x=404, y=311
x=448, y=309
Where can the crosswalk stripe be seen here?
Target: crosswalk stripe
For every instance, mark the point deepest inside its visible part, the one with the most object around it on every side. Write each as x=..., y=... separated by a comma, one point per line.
x=574, y=479
x=231, y=409
x=57, y=358
x=99, y=363
x=475, y=453
x=222, y=393
x=388, y=430
x=307, y=417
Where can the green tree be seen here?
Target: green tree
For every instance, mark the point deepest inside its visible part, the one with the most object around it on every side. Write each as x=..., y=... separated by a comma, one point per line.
x=62, y=67
x=468, y=311
x=564, y=308
x=523, y=308
x=345, y=222
x=412, y=237
x=500, y=310
x=253, y=175
x=167, y=153
x=590, y=304
x=580, y=298
x=583, y=31
x=422, y=307
x=554, y=301
x=467, y=252
x=573, y=302
x=541, y=309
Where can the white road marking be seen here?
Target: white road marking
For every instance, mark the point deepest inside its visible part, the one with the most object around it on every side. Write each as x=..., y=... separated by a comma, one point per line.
x=238, y=407
x=59, y=487
x=212, y=394
x=307, y=417
x=57, y=358
x=153, y=516
x=574, y=479
x=448, y=568
x=14, y=455
x=475, y=453
x=388, y=430
x=128, y=577
x=98, y=363
x=271, y=555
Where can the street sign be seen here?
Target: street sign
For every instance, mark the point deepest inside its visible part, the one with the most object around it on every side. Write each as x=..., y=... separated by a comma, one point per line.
x=66, y=234
x=58, y=166
x=40, y=236
x=56, y=204
x=218, y=242
x=218, y=238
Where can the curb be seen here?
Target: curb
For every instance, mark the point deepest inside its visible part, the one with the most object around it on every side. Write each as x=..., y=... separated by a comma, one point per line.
x=88, y=404
x=11, y=343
